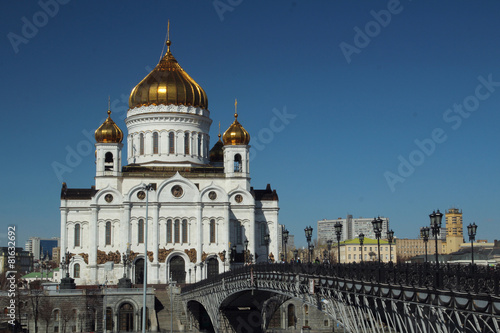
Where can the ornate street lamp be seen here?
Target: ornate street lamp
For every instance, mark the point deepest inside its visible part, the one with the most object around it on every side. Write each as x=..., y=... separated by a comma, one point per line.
x=390, y=238
x=329, y=244
x=246, y=251
x=295, y=255
x=338, y=232
x=361, y=238
x=266, y=240
x=285, y=239
x=436, y=218
x=325, y=256
x=471, y=229
x=309, y=232
x=377, y=228
x=424, y=234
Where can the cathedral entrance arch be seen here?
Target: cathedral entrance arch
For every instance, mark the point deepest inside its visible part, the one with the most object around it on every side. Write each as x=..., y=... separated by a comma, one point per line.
x=178, y=269
x=139, y=271
x=212, y=267
x=126, y=318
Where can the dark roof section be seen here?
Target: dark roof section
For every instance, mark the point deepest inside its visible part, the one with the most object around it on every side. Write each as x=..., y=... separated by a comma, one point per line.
x=77, y=193
x=265, y=195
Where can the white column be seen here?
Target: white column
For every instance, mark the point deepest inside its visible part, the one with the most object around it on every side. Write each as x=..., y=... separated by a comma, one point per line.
x=154, y=240
x=125, y=227
x=64, y=235
x=93, y=234
x=251, y=234
x=199, y=250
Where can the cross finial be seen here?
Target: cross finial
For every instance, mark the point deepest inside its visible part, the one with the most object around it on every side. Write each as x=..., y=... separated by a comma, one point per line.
x=109, y=105
x=219, y=129
x=168, y=36
x=235, y=108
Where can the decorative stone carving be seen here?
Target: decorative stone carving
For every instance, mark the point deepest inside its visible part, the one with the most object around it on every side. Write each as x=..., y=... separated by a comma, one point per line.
x=271, y=257
x=150, y=256
x=103, y=258
x=191, y=253
x=222, y=256
x=85, y=257
x=163, y=254
x=204, y=256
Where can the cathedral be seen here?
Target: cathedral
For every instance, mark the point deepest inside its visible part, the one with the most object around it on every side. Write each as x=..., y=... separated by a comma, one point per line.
x=187, y=209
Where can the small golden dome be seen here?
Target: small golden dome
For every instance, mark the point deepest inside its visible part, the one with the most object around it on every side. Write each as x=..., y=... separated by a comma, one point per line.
x=236, y=134
x=108, y=132
x=167, y=84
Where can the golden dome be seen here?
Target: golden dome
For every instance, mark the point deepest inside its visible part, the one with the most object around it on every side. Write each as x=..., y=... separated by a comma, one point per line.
x=236, y=134
x=108, y=132
x=167, y=84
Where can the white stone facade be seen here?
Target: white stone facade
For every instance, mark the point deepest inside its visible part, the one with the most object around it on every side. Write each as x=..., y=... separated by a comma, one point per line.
x=196, y=210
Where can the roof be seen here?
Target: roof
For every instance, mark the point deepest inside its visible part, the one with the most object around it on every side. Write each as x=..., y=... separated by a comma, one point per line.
x=265, y=195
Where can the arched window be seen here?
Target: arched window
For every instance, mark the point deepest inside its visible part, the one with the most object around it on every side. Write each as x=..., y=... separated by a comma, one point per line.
x=108, y=161
x=77, y=234
x=199, y=146
x=176, y=231
x=186, y=143
x=76, y=271
x=184, y=231
x=169, y=231
x=239, y=232
x=171, y=143
x=140, y=232
x=141, y=144
x=212, y=231
x=237, y=163
x=155, y=143
x=291, y=315
x=263, y=232
x=108, y=233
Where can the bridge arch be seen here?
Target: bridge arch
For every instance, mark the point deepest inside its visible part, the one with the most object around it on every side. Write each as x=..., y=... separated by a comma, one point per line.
x=199, y=312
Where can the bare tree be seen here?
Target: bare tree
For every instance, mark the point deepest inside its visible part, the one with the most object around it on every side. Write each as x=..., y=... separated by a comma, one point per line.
x=33, y=299
x=46, y=311
x=67, y=314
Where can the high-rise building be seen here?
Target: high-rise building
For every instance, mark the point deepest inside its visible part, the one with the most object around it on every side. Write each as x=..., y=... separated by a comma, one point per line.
x=351, y=228
x=41, y=247
x=200, y=213
x=454, y=230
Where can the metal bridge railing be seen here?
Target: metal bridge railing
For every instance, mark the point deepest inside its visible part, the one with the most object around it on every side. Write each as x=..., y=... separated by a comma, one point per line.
x=472, y=279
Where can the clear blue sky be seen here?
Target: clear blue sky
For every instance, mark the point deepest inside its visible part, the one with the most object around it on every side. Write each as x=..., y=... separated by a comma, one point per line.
x=353, y=85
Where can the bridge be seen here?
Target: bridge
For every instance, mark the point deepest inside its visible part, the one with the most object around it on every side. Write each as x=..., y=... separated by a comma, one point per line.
x=364, y=297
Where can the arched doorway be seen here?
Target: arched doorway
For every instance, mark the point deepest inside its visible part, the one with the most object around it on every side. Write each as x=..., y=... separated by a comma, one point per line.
x=212, y=267
x=178, y=269
x=139, y=271
x=126, y=315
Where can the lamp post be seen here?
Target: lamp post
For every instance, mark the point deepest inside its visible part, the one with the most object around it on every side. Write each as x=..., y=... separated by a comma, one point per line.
x=266, y=240
x=436, y=218
x=361, y=238
x=338, y=232
x=390, y=238
x=377, y=228
x=285, y=239
x=329, y=245
x=246, y=251
x=471, y=229
x=295, y=255
x=311, y=252
x=424, y=234
x=325, y=256
x=224, y=261
x=147, y=188
x=308, y=231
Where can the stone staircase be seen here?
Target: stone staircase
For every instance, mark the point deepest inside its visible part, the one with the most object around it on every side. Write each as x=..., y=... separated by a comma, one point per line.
x=164, y=312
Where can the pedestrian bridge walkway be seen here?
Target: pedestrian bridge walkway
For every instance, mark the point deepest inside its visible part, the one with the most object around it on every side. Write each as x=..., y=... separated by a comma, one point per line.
x=360, y=297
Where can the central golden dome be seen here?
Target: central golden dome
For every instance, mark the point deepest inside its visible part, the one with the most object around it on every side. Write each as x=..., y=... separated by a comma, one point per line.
x=167, y=84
